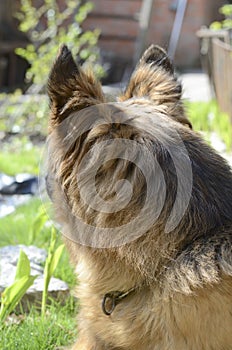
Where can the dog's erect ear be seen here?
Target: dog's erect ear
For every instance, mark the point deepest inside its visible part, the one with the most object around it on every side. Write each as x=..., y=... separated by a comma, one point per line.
x=61, y=79
x=70, y=88
x=154, y=79
x=155, y=56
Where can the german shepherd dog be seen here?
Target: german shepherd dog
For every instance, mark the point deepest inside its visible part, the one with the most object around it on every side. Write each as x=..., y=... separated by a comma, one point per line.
x=145, y=207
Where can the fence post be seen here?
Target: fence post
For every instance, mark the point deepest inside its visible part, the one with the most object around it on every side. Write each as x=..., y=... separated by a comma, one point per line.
x=222, y=68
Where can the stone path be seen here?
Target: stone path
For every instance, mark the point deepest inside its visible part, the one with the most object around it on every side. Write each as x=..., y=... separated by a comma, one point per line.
x=196, y=86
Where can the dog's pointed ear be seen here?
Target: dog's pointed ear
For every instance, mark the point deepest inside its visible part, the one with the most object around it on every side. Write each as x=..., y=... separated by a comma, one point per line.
x=154, y=79
x=70, y=88
x=155, y=56
x=61, y=78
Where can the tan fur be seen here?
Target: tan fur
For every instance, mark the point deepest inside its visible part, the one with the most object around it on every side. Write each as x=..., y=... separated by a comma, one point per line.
x=183, y=279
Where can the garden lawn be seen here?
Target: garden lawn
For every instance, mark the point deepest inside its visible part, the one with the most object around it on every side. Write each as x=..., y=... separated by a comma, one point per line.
x=20, y=156
x=32, y=332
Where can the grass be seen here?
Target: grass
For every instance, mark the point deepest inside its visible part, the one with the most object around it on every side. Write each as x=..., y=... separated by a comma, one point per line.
x=57, y=328
x=14, y=228
x=20, y=156
x=19, y=224
x=206, y=117
x=21, y=161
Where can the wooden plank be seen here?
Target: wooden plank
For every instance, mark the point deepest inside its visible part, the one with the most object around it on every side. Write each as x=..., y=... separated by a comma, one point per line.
x=208, y=33
x=113, y=27
x=222, y=67
x=116, y=8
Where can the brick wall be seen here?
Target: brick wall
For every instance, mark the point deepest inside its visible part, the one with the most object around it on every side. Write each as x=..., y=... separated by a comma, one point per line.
x=118, y=22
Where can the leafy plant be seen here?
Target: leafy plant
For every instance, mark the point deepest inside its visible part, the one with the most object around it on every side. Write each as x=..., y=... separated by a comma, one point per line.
x=17, y=228
x=53, y=258
x=47, y=27
x=24, y=114
x=12, y=295
x=226, y=23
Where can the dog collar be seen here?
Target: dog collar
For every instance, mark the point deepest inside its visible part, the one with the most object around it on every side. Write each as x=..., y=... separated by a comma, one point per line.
x=112, y=299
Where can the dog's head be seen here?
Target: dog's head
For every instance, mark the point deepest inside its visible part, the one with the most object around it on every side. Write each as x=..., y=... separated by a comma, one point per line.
x=71, y=89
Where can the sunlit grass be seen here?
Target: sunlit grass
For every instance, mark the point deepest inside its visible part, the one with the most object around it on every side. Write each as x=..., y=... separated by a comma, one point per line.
x=20, y=156
x=15, y=228
x=56, y=329
x=206, y=117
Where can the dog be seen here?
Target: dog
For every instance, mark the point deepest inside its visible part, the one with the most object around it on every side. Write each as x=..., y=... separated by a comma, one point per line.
x=158, y=278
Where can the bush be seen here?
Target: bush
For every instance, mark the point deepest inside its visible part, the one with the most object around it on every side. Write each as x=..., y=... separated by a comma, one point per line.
x=24, y=114
x=226, y=11
x=49, y=26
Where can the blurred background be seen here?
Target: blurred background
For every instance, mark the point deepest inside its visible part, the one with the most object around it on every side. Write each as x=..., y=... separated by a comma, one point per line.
x=126, y=27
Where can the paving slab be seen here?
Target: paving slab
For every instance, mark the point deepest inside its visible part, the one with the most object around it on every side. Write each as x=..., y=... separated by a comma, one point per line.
x=196, y=86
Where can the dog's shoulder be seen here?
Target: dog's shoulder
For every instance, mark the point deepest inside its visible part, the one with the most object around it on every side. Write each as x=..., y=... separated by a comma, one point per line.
x=204, y=262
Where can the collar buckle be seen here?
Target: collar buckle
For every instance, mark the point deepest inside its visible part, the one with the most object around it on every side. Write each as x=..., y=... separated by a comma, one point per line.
x=111, y=300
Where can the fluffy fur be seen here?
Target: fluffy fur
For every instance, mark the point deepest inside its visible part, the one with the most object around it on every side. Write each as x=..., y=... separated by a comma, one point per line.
x=183, y=278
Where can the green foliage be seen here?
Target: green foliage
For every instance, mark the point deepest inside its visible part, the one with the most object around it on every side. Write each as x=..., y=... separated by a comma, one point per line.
x=47, y=28
x=22, y=120
x=53, y=258
x=206, y=117
x=24, y=114
x=12, y=295
x=17, y=228
x=226, y=23
x=31, y=332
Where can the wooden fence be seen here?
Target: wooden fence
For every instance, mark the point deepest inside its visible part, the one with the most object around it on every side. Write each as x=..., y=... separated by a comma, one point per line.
x=222, y=74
